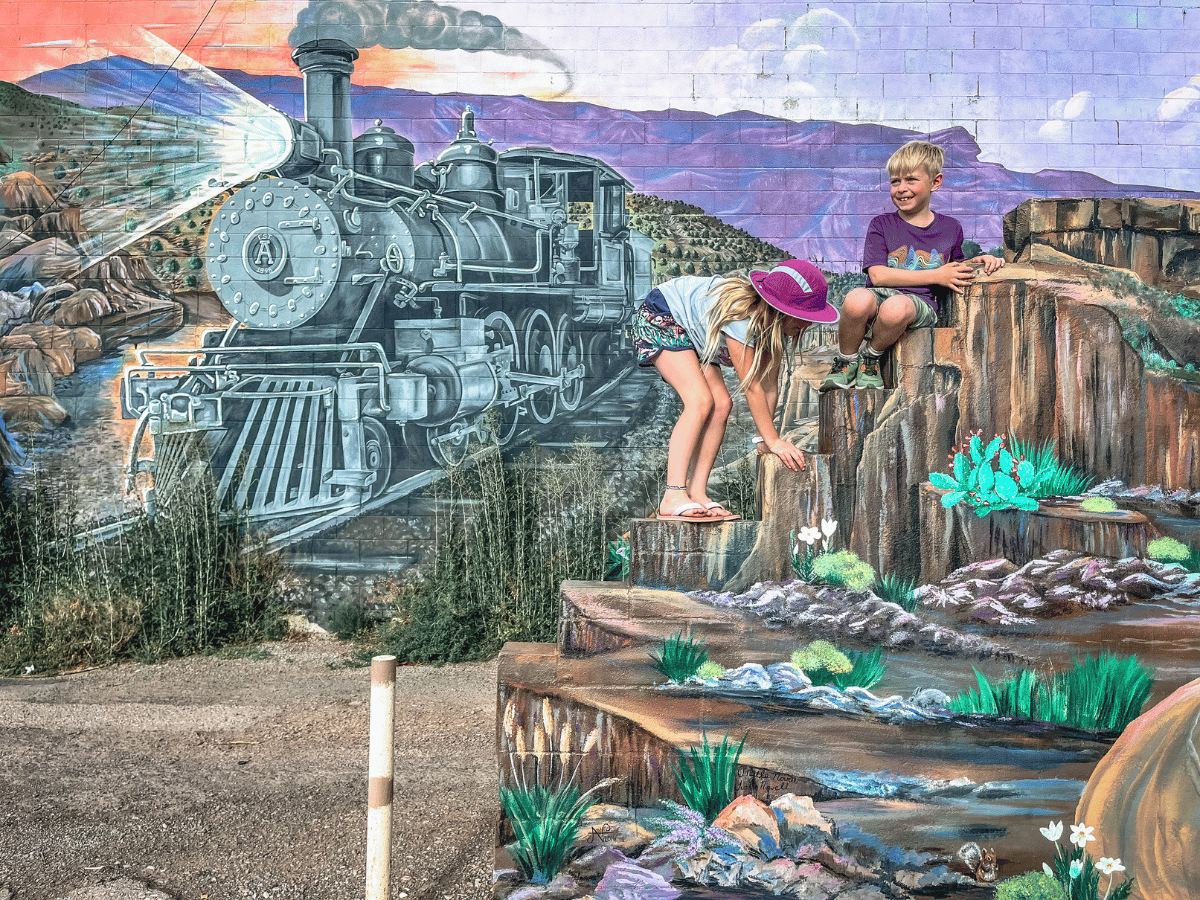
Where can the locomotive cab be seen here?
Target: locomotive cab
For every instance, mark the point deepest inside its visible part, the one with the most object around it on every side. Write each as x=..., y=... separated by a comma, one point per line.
x=584, y=201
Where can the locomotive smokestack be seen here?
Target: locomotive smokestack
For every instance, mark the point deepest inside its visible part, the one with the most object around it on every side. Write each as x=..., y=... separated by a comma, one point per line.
x=327, y=65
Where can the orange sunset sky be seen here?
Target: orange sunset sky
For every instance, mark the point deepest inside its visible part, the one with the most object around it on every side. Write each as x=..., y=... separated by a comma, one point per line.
x=237, y=34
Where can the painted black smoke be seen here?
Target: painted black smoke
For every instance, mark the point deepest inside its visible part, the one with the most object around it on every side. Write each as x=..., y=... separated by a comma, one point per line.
x=419, y=24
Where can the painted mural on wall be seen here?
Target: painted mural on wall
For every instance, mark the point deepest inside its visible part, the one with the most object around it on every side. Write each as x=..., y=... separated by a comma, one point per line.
x=322, y=250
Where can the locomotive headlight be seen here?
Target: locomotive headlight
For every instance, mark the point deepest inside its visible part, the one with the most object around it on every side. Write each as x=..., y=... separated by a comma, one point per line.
x=273, y=254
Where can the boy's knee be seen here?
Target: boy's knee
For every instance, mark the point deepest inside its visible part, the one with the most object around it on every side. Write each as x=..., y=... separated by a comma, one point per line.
x=859, y=304
x=897, y=310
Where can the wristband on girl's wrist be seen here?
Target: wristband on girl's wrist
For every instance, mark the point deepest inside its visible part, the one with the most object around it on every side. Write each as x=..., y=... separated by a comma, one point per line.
x=758, y=439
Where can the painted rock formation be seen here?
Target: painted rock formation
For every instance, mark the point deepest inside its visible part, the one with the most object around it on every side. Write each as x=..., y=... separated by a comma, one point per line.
x=1058, y=347
x=56, y=315
x=1144, y=800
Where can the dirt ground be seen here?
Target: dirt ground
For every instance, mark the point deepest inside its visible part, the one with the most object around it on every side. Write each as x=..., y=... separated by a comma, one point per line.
x=211, y=778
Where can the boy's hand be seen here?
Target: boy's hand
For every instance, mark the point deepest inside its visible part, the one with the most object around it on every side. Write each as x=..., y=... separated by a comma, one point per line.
x=955, y=275
x=991, y=263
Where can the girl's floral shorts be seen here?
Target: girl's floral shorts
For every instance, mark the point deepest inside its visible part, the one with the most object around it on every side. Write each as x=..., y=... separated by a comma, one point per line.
x=654, y=330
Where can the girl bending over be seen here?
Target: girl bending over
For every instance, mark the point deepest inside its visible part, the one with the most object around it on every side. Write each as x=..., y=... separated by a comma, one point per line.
x=688, y=328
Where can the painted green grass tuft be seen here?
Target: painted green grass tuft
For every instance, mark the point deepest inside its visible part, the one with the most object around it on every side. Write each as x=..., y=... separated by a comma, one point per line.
x=1101, y=694
x=706, y=775
x=545, y=821
x=898, y=590
x=866, y=670
x=1051, y=478
x=679, y=657
x=824, y=663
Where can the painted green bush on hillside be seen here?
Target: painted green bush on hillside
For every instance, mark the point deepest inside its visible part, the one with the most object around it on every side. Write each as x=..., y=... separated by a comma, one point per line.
x=1168, y=550
x=843, y=568
x=1030, y=886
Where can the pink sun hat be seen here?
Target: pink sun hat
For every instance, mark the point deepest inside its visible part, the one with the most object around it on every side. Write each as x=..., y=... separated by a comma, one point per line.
x=796, y=287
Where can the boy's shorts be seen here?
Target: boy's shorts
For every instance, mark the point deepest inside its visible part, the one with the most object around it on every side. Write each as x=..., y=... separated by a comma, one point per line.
x=926, y=314
x=655, y=330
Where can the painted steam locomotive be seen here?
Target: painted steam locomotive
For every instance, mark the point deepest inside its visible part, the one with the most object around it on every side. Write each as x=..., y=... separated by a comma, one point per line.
x=388, y=316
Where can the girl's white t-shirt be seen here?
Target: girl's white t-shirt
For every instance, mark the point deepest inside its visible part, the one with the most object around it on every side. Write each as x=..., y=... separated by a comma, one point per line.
x=689, y=298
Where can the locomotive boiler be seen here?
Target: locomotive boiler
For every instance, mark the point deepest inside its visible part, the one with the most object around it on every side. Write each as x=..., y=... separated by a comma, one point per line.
x=387, y=316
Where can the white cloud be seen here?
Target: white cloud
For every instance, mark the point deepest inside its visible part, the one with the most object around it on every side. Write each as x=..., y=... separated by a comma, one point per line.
x=821, y=28
x=1055, y=130
x=1080, y=106
x=777, y=66
x=1179, y=102
x=767, y=34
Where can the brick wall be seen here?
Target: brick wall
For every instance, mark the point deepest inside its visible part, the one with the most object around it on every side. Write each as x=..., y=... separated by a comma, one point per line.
x=745, y=131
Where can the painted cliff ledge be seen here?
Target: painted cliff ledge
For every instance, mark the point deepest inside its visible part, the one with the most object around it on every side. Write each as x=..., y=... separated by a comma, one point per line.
x=688, y=556
x=955, y=537
x=609, y=712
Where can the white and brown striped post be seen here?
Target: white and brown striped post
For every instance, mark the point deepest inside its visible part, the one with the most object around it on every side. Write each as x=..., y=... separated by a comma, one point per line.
x=379, y=773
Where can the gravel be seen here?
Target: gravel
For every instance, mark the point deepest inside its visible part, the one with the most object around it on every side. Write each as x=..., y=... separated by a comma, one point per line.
x=238, y=778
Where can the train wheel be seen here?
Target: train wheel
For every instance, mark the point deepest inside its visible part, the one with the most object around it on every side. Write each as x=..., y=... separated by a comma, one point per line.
x=500, y=333
x=377, y=454
x=598, y=351
x=540, y=358
x=570, y=357
x=449, y=444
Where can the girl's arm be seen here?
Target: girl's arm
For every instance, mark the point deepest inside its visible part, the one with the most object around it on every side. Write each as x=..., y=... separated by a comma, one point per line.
x=761, y=397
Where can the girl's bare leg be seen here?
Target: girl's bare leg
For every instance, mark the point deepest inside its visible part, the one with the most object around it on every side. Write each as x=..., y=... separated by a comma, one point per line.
x=682, y=371
x=709, y=445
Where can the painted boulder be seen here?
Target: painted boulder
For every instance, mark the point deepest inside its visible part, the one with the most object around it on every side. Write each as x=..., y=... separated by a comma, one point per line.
x=1144, y=800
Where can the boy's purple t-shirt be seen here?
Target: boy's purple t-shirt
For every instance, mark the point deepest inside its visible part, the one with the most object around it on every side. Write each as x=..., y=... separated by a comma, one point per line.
x=895, y=243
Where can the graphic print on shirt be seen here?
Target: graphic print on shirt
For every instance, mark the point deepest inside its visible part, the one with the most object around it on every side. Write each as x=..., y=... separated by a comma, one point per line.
x=911, y=258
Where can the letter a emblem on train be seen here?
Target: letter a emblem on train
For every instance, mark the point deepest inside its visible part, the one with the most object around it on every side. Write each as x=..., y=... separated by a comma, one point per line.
x=264, y=253
x=265, y=258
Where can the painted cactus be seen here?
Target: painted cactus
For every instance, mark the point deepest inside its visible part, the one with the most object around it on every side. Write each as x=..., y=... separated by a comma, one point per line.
x=986, y=478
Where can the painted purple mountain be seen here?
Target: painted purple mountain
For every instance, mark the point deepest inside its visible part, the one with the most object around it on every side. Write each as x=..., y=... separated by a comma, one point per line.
x=809, y=187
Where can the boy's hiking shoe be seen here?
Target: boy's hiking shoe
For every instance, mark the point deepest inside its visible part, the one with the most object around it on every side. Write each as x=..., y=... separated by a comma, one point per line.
x=842, y=374
x=868, y=373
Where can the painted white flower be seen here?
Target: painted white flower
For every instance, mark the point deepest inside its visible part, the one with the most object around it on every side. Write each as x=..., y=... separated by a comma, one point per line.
x=1054, y=832
x=1081, y=834
x=1076, y=867
x=828, y=527
x=809, y=535
x=1108, y=865
x=1046, y=868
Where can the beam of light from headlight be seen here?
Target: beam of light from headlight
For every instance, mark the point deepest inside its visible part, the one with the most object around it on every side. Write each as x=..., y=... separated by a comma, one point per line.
x=171, y=134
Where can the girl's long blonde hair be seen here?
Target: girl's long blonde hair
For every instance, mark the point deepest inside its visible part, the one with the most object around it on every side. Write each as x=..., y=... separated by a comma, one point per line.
x=736, y=300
